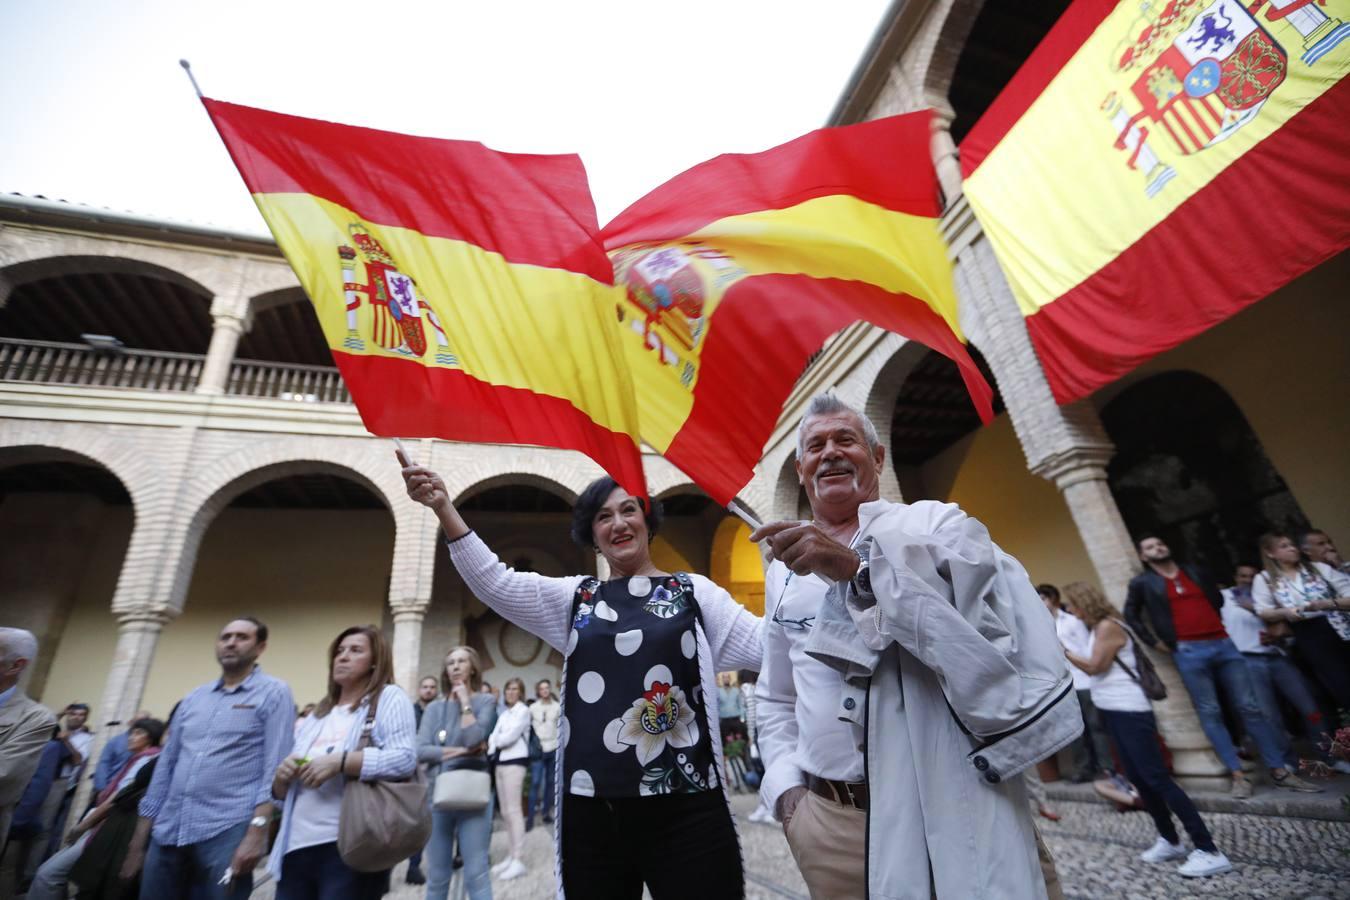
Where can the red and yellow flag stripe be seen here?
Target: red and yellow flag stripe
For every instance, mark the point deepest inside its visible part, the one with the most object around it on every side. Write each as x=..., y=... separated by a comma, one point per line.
x=462, y=290
x=738, y=269
x=1152, y=170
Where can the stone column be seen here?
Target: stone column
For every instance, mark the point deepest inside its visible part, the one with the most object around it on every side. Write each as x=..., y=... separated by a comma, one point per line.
x=946, y=159
x=220, y=355
x=407, y=646
x=417, y=544
x=1068, y=446
x=137, y=636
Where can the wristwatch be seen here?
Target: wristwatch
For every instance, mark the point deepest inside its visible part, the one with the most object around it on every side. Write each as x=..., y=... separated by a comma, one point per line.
x=259, y=822
x=862, y=579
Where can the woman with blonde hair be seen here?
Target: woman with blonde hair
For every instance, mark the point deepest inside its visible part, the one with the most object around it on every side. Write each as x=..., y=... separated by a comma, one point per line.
x=453, y=735
x=510, y=741
x=1113, y=662
x=310, y=781
x=1311, y=598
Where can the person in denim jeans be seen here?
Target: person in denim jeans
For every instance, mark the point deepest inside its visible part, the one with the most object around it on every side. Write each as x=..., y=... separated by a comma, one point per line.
x=1272, y=671
x=544, y=715
x=210, y=801
x=453, y=734
x=1174, y=608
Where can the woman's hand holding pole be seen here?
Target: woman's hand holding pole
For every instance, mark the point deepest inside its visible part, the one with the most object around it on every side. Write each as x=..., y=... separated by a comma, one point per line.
x=427, y=488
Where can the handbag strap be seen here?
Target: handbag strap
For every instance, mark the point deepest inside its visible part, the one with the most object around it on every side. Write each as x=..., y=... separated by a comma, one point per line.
x=1133, y=646
x=369, y=725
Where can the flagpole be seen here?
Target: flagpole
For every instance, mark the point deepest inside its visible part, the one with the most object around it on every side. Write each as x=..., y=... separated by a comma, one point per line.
x=403, y=452
x=187, y=67
x=739, y=510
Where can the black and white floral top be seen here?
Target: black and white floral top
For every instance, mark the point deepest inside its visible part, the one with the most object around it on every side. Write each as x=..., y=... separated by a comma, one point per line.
x=635, y=706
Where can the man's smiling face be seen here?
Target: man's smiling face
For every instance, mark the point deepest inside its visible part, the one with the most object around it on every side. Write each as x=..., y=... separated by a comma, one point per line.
x=836, y=466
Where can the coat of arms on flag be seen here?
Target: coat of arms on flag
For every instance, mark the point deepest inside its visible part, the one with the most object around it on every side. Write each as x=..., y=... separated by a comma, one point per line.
x=397, y=310
x=1198, y=74
x=671, y=290
x=1202, y=71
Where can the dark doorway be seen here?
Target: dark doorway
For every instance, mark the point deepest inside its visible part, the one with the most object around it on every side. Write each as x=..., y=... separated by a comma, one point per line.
x=1189, y=468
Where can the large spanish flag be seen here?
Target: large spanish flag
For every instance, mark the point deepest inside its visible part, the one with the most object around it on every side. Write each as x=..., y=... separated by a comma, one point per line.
x=737, y=270
x=463, y=291
x=1155, y=168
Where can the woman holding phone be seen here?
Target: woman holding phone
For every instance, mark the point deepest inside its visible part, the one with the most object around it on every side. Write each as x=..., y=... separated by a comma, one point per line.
x=454, y=735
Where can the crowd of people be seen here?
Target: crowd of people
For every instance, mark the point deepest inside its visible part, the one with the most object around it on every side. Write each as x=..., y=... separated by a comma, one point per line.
x=904, y=661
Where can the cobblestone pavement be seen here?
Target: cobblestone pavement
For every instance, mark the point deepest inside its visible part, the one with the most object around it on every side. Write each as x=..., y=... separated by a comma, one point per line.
x=1096, y=852
x=1095, y=848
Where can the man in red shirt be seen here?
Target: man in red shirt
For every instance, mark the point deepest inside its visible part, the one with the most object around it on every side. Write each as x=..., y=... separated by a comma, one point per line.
x=1174, y=608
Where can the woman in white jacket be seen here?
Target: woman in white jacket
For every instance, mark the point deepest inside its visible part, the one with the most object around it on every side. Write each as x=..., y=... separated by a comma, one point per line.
x=642, y=798
x=510, y=741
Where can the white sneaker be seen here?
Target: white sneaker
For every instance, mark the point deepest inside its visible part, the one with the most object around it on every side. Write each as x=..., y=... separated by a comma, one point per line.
x=1163, y=851
x=517, y=869
x=501, y=866
x=1341, y=766
x=1201, y=864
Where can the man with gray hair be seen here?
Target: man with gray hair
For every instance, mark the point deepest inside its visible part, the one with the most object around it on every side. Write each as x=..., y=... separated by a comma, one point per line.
x=25, y=725
x=911, y=673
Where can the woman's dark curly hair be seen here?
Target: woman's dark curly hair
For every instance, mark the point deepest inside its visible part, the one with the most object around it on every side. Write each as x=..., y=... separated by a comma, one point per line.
x=589, y=503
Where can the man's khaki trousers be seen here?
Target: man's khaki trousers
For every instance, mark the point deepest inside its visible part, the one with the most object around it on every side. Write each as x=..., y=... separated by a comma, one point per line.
x=828, y=840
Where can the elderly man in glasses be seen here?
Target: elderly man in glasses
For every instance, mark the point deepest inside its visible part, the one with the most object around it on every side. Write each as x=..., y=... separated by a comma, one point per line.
x=910, y=674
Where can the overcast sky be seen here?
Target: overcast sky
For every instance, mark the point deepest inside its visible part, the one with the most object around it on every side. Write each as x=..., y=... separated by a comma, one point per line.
x=94, y=108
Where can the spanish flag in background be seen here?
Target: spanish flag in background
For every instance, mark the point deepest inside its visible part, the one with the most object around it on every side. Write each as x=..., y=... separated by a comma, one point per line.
x=1155, y=168
x=462, y=291
x=737, y=270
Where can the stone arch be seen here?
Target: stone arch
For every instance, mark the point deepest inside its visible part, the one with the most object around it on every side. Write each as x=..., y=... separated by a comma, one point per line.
x=282, y=296
x=536, y=479
x=1190, y=467
x=952, y=21
x=207, y=496
x=560, y=471
x=787, y=492
x=49, y=441
x=29, y=260
x=45, y=564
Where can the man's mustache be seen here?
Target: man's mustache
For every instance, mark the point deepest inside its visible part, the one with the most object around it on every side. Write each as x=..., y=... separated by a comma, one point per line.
x=831, y=467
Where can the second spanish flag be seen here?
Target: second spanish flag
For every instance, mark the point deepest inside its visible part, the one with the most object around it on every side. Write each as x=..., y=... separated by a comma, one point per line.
x=737, y=270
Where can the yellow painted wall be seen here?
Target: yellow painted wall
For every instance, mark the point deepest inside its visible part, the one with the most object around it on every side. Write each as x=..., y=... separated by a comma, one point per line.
x=306, y=573
x=1285, y=361
x=737, y=565
x=985, y=473
x=85, y=650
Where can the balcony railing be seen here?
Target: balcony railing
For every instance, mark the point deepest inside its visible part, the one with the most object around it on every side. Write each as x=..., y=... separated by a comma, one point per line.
x=287, y=381
x=47, y=362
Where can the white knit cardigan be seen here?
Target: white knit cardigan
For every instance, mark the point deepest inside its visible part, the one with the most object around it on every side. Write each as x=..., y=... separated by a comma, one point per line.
x=729, y=637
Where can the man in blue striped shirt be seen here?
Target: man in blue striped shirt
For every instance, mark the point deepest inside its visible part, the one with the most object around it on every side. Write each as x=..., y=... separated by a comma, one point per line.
x=210, y=800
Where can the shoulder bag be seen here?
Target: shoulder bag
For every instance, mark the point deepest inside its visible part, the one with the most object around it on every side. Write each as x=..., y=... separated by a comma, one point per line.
x=1147, y=676
x=465, y=788
x=382, y=823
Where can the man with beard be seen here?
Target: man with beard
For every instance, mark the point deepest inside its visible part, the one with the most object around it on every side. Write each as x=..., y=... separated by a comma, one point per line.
x=1175, y=608
x=911, y=673
x=210, y=801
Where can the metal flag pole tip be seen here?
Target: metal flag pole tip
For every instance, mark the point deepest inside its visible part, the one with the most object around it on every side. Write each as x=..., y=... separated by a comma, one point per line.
x=740, y=512
x=187, y=67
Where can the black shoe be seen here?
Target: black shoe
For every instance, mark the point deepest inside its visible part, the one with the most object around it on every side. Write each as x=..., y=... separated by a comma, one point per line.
x=529, y=824
x=415, y=876
x=548, y=820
